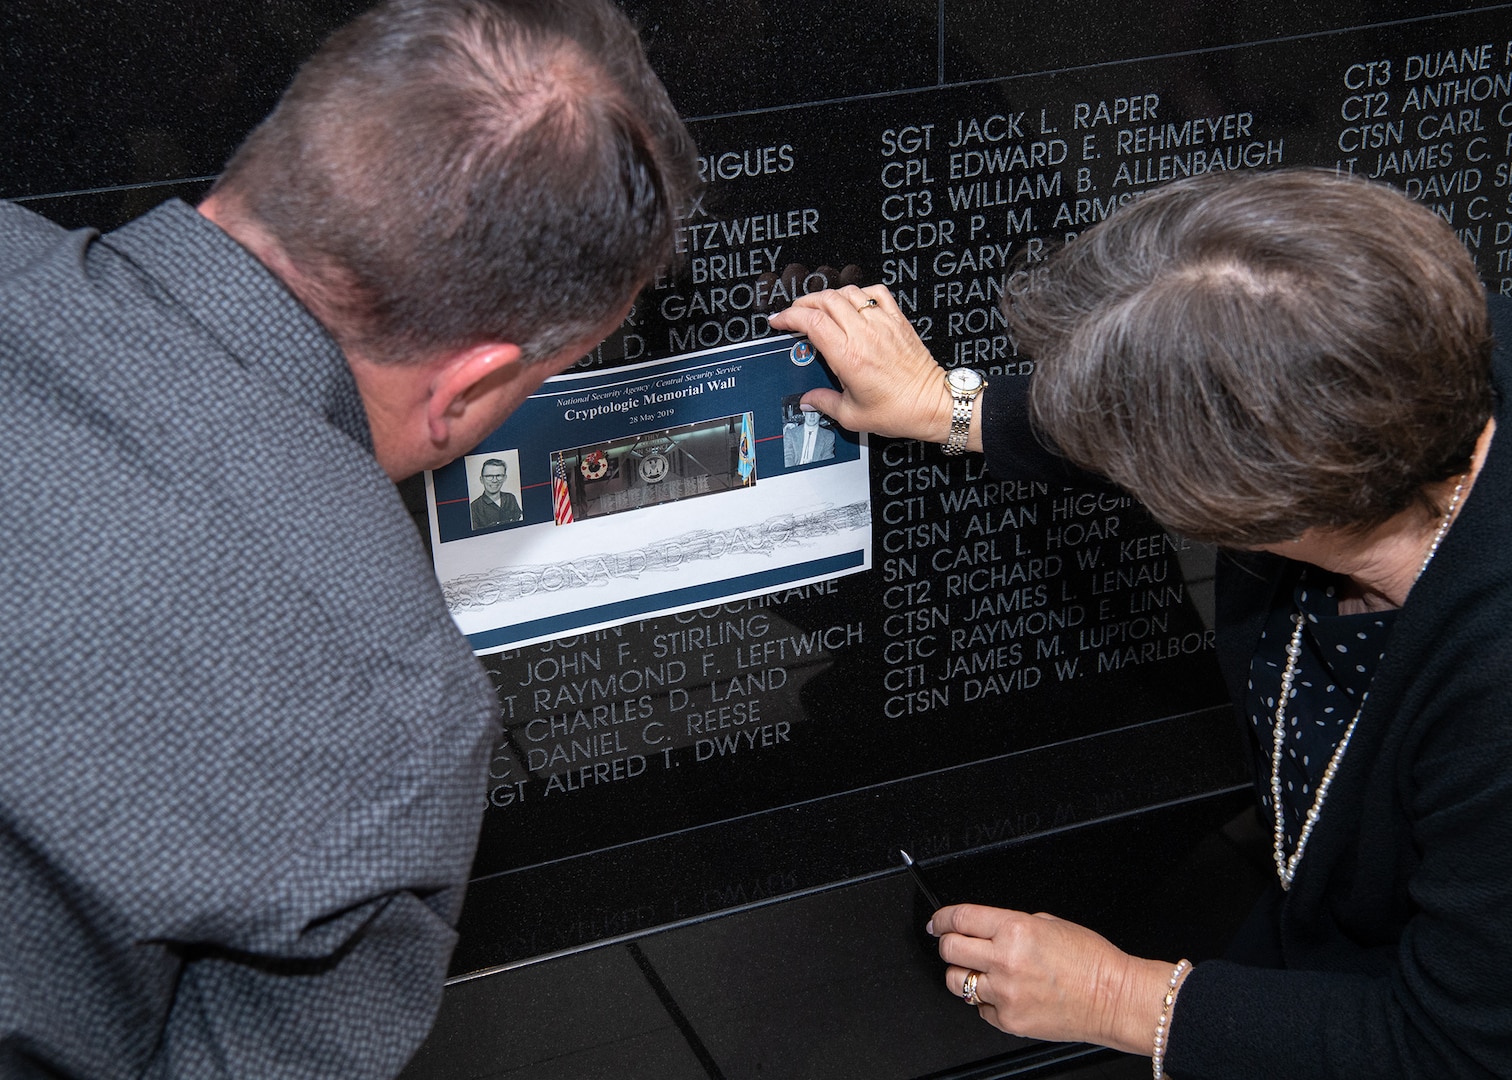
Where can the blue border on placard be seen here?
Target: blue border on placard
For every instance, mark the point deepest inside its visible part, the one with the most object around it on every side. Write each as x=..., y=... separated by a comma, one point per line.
x=766, y=581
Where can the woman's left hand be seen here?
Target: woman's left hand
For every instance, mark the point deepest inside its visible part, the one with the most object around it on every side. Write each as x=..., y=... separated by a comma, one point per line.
x=1045, y=978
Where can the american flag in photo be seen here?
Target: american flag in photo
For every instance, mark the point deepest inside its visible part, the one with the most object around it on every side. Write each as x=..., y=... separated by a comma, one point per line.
x=561, y=501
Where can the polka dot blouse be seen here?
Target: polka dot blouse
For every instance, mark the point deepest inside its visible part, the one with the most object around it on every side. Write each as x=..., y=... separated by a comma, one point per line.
x=1339, y=655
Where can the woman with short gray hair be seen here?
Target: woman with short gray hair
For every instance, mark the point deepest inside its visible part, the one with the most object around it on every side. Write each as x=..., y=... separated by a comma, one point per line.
x=1298, y=367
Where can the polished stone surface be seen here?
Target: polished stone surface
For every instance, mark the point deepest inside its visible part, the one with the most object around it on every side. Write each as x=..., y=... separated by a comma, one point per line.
x=120, y=92
x=842, y=981
x=689, y=873
x=762, y=54
x=985, y=39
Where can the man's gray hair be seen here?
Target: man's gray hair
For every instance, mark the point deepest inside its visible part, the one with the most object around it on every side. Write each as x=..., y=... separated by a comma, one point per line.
x=444, y=173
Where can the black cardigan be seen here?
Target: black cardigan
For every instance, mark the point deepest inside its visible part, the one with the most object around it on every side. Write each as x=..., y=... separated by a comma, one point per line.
x=1392, y=953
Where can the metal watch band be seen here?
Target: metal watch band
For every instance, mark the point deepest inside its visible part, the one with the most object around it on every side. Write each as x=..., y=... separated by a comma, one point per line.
x=960, y=424
x=963, y=401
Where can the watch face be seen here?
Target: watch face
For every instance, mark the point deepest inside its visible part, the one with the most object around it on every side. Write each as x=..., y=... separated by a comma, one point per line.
x=963, y=380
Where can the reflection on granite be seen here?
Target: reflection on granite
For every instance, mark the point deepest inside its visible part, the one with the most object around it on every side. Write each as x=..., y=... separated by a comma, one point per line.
x=842, y=981
x=560, y=896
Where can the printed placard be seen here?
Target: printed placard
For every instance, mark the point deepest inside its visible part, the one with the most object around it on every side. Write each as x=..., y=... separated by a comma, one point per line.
x=617, y=495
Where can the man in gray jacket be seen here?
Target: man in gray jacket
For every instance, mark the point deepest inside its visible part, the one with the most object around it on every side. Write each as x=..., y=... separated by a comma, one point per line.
x=245, y=745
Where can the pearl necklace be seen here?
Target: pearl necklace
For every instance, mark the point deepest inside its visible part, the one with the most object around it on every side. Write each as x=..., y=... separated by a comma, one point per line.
x=1286, y=868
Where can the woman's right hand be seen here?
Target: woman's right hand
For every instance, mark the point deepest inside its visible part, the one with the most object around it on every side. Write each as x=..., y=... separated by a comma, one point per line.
x=890, y=384
x=1046, y=978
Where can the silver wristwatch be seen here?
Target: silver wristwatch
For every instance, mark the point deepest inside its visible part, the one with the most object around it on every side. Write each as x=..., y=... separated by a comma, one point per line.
x=965, y=386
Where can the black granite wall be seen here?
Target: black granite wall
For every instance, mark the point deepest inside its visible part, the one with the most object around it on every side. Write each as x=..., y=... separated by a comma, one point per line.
x=1021, y=660
x=965, y=691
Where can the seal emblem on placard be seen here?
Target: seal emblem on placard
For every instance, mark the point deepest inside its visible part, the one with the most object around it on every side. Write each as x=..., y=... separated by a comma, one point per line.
x=802, y=353
x=653, y=470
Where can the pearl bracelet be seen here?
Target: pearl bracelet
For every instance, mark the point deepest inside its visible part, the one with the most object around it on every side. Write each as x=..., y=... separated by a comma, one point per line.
x=1163, y=1025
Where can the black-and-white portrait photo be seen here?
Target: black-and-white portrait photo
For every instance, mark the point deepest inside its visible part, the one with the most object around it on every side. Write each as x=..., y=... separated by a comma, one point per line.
x=493, y=483
x=807, y=434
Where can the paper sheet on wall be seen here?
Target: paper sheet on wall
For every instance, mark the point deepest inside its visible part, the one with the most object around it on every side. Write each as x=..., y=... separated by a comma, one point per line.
x=616, y=495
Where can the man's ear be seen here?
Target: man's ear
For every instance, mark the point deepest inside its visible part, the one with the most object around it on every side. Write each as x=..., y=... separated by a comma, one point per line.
x=466, y=383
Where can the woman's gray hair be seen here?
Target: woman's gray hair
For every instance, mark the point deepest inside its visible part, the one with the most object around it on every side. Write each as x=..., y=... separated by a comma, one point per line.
x=1252, y=355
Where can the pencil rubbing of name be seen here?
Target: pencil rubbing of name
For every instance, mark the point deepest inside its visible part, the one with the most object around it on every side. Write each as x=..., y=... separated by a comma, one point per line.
x=762, y=538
